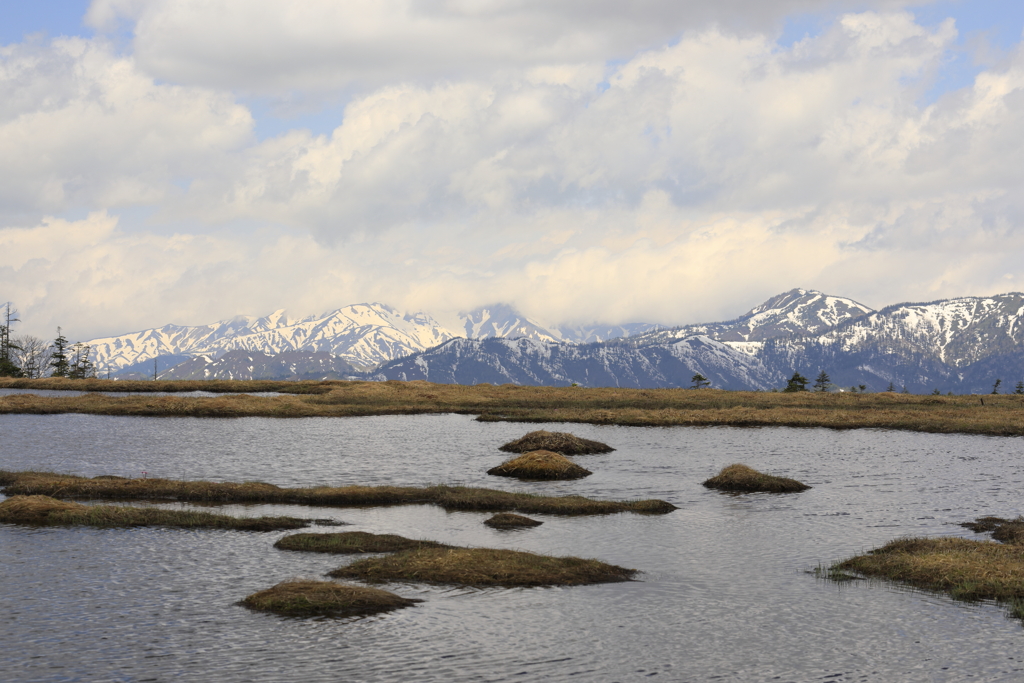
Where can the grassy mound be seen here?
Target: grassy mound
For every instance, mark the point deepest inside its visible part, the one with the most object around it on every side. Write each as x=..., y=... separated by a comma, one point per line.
x=540, y=465
x=1004, y=530
x=559, y=442
x=46, y=511
x=447, y=497
x=743, y=478
x=324, y=598
x=483, y=567
x=352, y=542
x=507, y=520
x=965, y=569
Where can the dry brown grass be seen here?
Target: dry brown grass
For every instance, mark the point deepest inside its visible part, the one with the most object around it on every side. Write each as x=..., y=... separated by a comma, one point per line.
x=559, y=442
x=352, y=542
x=745, y=479
x=483, y=567
x=324, y=598
x=218, y=386
x=448, y=497
x=47, y=511
x=1001, y=415
x=1003, y=530
x=540, y=465
x=966, y=569
x=507, y=520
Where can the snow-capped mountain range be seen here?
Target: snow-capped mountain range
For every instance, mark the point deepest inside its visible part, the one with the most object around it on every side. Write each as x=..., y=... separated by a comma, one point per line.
x=361, y=335
x=961, y=344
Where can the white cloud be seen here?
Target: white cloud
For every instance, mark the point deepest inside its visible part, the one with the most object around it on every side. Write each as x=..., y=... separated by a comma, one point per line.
x=687, y=183
x=81, y=127
x=272, y=47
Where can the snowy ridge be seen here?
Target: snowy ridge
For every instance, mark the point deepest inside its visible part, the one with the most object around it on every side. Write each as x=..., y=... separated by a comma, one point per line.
x=363, y=335
x=798, y=312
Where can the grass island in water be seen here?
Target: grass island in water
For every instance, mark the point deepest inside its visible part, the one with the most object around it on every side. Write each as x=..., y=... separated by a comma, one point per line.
x=447, y=497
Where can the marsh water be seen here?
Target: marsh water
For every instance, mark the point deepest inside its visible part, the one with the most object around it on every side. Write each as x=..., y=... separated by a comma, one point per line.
x=725, y=592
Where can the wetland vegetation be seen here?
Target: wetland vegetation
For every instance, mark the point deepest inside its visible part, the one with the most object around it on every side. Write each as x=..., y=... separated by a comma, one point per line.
x=559, y=442
x=324, y=598
x=745, y=479
x=540, y=465
x=481, y=567
x=998, y=415
x=352, y=542
x=962, y=568
x=508, y=520
x=447, y=497
x=36, y=510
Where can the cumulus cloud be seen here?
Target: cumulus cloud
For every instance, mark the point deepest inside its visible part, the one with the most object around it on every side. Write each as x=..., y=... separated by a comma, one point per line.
x=81, y=127
x=271, y=47
x=688, y=182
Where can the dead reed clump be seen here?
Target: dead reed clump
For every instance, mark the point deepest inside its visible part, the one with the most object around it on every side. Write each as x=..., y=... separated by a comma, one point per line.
x=559, y=442
x=746, y=479
x=34, y=509
x=483, y=567
x=540, y=465
x=965, y=569
x=352, y=542
x=324, y=598
x=508, y=520
x=47, y=511
x=1003, y=530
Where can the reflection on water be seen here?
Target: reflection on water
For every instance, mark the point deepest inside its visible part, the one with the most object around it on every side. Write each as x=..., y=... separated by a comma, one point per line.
x=724, y=595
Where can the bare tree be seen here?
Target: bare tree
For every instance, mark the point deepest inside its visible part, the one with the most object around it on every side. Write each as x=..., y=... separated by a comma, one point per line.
x=32, y=355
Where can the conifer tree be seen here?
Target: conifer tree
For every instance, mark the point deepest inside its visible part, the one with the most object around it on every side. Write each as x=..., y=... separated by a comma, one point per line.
x=59, y=358
x=81, y=367
x=700, y=381
x=1019, y=389
x=796, y=383
x=995, y=387
x=822, y=381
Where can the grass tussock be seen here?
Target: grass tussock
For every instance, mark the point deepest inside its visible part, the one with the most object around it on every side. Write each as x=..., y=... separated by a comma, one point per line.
x=324, y=598
x=47, y=511
x=447, y=497
x=559, y=442
x=483, y=567
x=352, y=542
x=748, y=480
x=1000, y=415
x=965, y=569
x=508, y=520
x=1003, y=530
x=540, y=465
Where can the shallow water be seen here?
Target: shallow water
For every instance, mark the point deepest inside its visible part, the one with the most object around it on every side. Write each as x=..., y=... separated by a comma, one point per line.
x=725, y=593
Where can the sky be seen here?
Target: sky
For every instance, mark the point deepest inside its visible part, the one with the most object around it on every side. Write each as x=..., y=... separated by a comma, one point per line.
x=666, y=161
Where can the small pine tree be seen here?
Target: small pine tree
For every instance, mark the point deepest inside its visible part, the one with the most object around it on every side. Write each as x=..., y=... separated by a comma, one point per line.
x=904, y=390
x=59, y=357
x=699, y=381
x=81, y=367
x=995, y=387
x=863, y=387
x=796, y=383
x=1019, y=389
x=890, y=387
x=822, y=381
x=936, y=392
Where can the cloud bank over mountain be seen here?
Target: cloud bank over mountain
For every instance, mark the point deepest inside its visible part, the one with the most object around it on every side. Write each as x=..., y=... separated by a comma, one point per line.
x=581, y=162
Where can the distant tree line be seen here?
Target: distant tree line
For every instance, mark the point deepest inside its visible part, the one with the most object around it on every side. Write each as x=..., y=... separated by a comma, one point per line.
x=32, y=358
